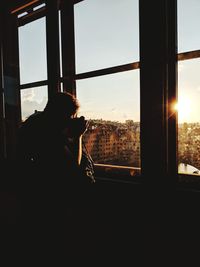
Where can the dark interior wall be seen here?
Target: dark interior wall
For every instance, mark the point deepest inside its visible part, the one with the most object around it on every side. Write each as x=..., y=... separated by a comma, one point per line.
x=120, y=221
x=10, y=97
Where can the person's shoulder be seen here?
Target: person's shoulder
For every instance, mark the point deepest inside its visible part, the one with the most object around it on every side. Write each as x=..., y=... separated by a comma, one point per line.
x=33, y=119
x=37, y=115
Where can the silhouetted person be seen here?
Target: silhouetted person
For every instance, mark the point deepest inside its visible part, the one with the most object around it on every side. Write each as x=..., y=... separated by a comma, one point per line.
x=50, y=153
x=52, y=139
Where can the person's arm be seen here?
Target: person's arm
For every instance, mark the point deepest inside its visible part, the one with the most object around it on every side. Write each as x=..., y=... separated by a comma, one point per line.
x=78, y=149
x=76, y=136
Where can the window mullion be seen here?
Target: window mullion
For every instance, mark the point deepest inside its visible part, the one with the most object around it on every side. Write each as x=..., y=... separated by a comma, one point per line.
x=172, y=89
x=68, y=46
x=53, y=59
x=153, y=82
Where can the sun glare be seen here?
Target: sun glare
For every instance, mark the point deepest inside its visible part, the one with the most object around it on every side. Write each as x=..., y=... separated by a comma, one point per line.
x=184, y=109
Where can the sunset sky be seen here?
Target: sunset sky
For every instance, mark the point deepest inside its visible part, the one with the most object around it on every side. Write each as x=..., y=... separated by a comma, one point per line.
x=106, y=35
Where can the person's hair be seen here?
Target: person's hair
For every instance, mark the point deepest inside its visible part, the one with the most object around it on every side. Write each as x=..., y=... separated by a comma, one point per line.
x=62, y=104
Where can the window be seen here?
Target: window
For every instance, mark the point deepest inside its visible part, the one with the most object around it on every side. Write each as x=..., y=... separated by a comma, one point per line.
x=107, y=79
x=33, y=99
x=126, y=93
x=33, y=64
x=114, y=116
x=32, y=51
x=188, y=25
x=106, y=34
x=188, y=87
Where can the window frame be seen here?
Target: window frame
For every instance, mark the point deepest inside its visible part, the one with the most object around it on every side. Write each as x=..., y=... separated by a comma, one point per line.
x=106, y=170
x=26, y=19
x=189, y=180
x=158, y=71
x=50, y=10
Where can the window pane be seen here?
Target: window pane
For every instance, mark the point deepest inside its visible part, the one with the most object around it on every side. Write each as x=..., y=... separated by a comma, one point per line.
x=32, y=51
x=189, y=116
x=112, y=104
x=106, y=33
x=188, y=25
x=33, y=99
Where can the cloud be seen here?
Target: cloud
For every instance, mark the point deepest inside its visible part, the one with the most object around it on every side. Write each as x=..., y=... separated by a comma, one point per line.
x=27, y=95
x=124, y=116
x=29, y=107
x=113, y=110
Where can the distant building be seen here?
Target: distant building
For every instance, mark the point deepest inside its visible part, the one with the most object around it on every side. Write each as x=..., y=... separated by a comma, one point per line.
x=114, y=142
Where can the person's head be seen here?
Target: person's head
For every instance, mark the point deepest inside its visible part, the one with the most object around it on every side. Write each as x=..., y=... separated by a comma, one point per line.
x=62, y=106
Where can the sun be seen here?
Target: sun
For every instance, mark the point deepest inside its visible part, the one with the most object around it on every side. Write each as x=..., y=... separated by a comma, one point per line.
x=184, y=109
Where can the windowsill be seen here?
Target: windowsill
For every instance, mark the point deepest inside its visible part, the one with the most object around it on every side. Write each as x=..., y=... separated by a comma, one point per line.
x=132, y=175
x=118, y=173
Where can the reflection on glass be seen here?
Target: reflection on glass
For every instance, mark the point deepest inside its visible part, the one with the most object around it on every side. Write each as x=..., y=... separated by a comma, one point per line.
x=106, y=33
x=188, y=25
x=33, y=99
x=189, y=116
x=112, y=104
x=60, y=43
x=32, y=51
x=22, y=14
x=39, y=6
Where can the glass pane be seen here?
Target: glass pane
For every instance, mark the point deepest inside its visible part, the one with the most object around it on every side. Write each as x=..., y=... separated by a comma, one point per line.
x=188, y=25
x=112, y=104
x=33, y=99
x=106, y=33
x=189, y=116
x=32, y=51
